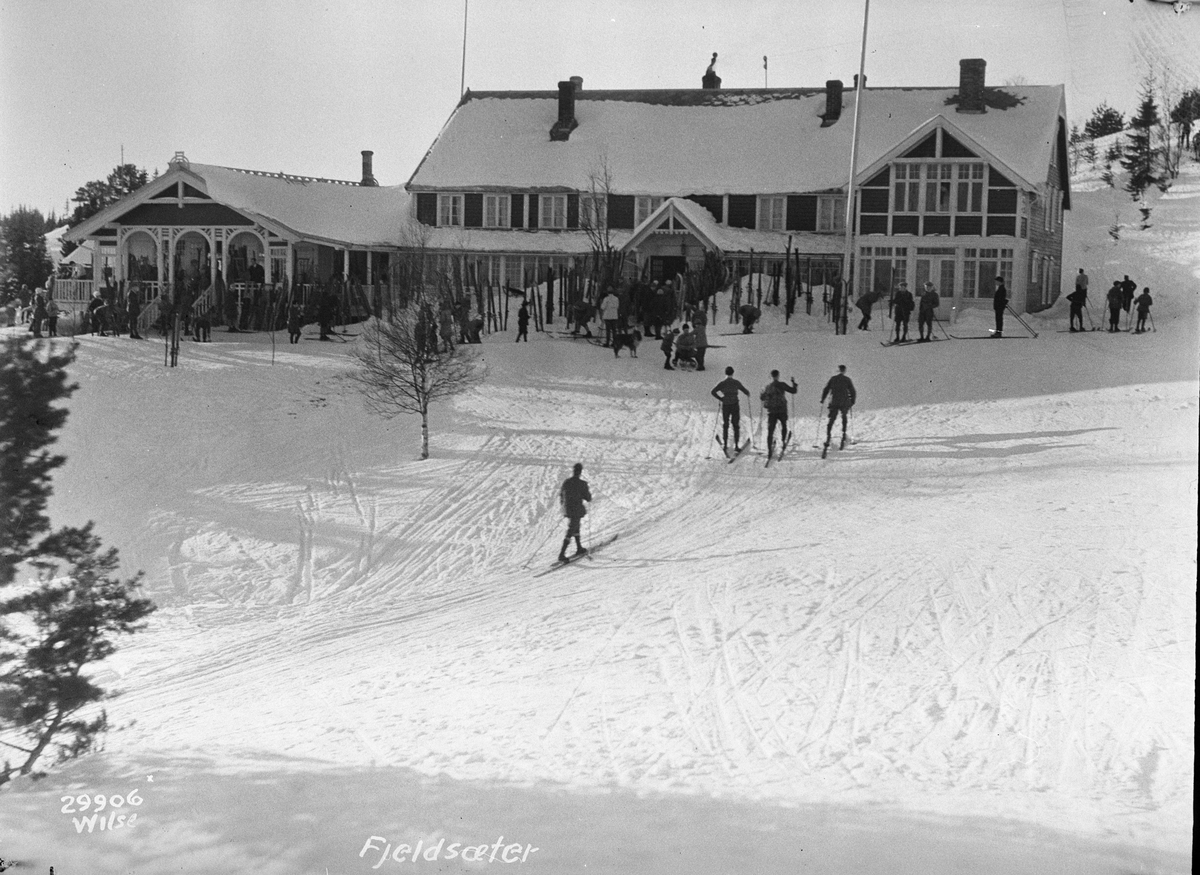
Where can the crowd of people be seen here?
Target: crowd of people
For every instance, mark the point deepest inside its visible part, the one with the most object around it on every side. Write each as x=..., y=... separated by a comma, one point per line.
x=1119, y=298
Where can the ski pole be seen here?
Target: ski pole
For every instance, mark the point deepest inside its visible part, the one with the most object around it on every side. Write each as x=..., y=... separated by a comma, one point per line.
x=1022, y=321
x=941, y=326
x=1091, y=321
x=1151, y=315
x=817, y=439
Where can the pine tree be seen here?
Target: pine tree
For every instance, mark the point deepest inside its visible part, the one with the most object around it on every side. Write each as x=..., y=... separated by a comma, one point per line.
x=1104, y=121
x=69, y=615
x=23, y=257
x=1141, y=155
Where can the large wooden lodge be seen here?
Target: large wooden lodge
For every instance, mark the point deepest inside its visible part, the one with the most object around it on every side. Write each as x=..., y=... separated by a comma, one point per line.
x=955, y=185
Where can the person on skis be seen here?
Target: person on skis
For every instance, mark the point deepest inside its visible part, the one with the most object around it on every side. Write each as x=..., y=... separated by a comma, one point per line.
x=1078, y=299
x=774, y=401
x=929, y=303
x=999, y=304
x=902, y=307
x=572, y=496
x=1143, y=303
x=1115, y=296
x=726, y=392
x=841, y=394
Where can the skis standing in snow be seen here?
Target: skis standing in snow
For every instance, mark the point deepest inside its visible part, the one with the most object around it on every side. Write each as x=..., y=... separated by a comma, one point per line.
x=902, y=307
x=841, y=394
x=999, y=304
x=774, y=401
x=929, y=303
x=726, y=392
x=1143, y=302
x=572, y=495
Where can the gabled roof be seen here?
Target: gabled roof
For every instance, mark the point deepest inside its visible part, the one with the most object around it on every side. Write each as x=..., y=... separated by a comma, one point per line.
x=698, y=221
x=293, y=207
x=752, y=141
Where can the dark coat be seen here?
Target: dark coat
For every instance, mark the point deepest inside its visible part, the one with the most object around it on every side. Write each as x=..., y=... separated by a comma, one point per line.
x=572, y=495
x=1000, y=298
x=840, y=390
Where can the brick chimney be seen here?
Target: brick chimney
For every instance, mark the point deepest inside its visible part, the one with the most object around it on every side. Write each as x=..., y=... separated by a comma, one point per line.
x=711, y=81
x=368, y=175
x=561, y=131
x=833, y=102
x=577, y=82
x=970, y=85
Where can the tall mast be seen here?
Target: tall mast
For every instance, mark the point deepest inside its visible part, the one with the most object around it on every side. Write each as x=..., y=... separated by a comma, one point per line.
x=848, y=252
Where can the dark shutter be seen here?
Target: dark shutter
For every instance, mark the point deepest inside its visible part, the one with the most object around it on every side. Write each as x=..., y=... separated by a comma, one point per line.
x=620, y=211
x=533, y=210
x=516, y=212
x=872, y=225
x=936, y=226
x=473, y=210
x=427, y=208
x=714, y=203
x=742, y=210
x=801, y=212
x=1002, y=226
x=1002, y=201
x=874, y=200
x=968, y=225
x=572, y=211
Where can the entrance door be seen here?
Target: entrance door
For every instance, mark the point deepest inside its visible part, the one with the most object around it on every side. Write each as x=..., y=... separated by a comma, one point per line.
x=939, y=269
x=664, y=267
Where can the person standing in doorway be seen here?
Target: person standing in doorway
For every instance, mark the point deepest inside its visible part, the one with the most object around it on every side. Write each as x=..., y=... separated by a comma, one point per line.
x=574, y=496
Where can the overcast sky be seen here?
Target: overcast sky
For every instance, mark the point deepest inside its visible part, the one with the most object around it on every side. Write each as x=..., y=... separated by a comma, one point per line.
x=303, y=86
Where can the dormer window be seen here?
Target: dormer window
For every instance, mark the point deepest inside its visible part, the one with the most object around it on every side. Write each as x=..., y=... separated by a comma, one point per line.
x=450, y=209
x=553, y=212
x=496, y=210
x=771, y=212
x=644, y=207
x=831, y=214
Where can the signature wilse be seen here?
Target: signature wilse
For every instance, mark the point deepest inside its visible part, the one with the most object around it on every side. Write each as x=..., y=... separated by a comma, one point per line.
x=106, y=810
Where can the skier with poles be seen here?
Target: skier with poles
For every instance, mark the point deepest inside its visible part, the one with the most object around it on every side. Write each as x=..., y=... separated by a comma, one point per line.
x=902, y=307
x=841, y=393
x=929, y=303
x=1143, y=302
x=999, y=305
x=572, y=495
x=774, y=401
x=1078, y=299
x=1115, y=295
x=726, y=392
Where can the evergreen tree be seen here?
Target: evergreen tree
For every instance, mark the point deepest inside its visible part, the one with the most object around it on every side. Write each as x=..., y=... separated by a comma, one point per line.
x=23, y=258
x=1141, y=155
x=1104, y=121
x=1184, y=115
x=67, y=619
x=94, y=196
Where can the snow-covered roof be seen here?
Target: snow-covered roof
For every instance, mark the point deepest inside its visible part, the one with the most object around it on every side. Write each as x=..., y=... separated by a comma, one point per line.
x=295, y=207
x=697, y=220
x=752, y=141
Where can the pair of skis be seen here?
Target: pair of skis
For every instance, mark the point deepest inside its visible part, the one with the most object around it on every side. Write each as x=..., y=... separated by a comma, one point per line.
x=731, y=457
x=904, y=342
x=588, y=554
x=782, y=449
x=841, y=446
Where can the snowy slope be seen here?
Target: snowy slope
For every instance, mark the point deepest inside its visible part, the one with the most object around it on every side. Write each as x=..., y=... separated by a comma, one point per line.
x=967, y=641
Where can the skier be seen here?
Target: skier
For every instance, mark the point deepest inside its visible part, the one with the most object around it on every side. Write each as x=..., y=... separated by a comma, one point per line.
x=999, y=303
x=523, y=322
x=842, y=396
x=1128, y=289
x=1078, y=299
x=902, y=307
x=929, y=303
x=726, y=392
x=774, y=401
x=864, y=304
x=1115, y=296
x=1144, y=302
x=572, y=495
x=1081, y=282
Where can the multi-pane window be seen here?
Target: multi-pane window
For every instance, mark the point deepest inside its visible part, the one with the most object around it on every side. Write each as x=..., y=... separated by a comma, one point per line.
x=771, y=211
x=980, y=269
x=593, y=210
x=831, y=213
x=881, y=268
x=907, y=188
x=495, y=210
x=937, y=187
x=553, y=213
x=970, y=188
x=450, y=209
x=643, y=207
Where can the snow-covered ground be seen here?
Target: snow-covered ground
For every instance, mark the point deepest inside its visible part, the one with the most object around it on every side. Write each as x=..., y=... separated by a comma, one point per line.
x=965, y=643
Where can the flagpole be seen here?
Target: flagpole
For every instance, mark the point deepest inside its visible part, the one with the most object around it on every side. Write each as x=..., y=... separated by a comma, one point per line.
x=848, y=252
x=462, y=82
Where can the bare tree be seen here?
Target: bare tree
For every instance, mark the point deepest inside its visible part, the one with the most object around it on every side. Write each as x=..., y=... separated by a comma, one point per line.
x=402, y=369
x=607, y=260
